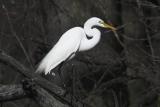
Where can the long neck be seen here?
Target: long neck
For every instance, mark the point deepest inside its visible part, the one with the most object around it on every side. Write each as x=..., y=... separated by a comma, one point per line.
x=95, y=35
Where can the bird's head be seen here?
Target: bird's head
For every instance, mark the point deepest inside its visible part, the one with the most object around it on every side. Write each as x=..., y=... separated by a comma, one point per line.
x=99, y=22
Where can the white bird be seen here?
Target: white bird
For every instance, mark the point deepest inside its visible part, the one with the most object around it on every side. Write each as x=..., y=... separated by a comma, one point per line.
x=72, y=41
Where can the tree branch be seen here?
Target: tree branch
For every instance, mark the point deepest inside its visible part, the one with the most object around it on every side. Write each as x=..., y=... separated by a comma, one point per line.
x=53, y=88
x=42, y=97
x=11, y=92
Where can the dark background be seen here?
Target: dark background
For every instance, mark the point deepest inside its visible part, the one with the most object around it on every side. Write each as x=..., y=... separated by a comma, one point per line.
x=109, y=75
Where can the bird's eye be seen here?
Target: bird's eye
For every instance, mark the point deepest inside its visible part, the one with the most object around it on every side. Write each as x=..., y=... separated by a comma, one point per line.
x=100, y=22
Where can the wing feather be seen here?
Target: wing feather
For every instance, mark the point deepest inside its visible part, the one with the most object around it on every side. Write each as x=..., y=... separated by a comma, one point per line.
x=67, y=44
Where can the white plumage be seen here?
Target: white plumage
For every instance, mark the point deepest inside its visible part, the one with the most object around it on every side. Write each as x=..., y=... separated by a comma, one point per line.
x=72, y=41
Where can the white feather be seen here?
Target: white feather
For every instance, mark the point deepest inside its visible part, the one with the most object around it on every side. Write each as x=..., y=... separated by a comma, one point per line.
x=72, y=41
x=67, y=44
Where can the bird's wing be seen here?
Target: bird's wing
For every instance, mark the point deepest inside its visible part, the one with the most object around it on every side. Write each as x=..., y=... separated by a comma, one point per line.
x=67, y=44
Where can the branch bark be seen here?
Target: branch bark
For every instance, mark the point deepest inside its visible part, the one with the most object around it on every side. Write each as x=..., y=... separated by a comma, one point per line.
x=30, y=74
x=11, y=92
x=42, y=97
x=53, y=88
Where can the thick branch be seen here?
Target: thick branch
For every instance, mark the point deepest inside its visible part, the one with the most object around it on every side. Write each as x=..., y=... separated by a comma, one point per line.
x=54, y=89
x=11, y=92
x=42, y=97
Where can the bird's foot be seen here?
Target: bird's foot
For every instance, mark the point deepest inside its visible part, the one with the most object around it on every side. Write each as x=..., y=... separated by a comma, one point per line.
x=53, y=74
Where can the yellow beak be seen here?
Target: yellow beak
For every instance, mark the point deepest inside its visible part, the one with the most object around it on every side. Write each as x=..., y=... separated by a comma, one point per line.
x=105, y=25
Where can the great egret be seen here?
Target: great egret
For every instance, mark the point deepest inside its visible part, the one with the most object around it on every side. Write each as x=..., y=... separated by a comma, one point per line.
x=72, y=41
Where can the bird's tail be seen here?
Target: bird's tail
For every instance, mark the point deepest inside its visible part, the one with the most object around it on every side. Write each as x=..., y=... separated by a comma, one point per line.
x=44, y=67
x=40, y=69
x=47, y=64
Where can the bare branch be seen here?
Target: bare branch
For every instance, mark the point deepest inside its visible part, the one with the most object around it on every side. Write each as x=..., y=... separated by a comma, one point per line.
x=15, y=35
x=53, y=88
x=42, y=97
x=11, y=92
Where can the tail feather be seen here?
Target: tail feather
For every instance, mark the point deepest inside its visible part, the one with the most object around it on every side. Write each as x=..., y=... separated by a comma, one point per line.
x=42, y=66
x=40, y=69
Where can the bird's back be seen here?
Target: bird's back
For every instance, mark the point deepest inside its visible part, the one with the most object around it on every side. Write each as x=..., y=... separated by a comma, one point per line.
x=66, y=45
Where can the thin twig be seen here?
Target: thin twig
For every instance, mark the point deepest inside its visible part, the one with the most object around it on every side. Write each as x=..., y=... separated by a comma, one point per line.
x=142, y=3
x=146, y=31
x=116, y=35
x=115, y=98
x=15, y=35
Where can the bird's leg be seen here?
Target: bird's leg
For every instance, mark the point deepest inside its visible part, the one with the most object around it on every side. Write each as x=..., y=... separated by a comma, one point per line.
x=73, y=98
x=60, y=73
x=60, y=66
